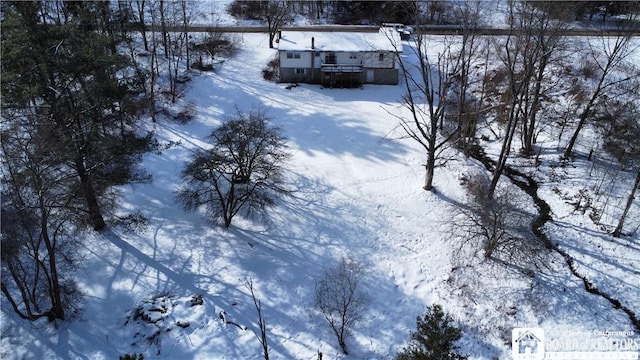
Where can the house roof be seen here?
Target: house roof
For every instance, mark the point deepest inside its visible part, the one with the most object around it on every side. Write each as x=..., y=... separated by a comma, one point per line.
x=383, y=40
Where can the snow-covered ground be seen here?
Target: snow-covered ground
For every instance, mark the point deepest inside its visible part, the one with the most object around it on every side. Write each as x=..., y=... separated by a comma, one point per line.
x=358, y=195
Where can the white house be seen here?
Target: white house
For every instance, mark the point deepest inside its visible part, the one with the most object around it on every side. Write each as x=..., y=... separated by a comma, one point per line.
x=339, y=59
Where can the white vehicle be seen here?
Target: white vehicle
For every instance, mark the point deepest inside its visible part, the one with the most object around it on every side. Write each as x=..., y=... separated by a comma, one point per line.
x=405, y=31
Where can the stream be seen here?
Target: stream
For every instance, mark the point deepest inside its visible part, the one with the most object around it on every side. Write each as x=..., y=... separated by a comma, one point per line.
x=527, y=184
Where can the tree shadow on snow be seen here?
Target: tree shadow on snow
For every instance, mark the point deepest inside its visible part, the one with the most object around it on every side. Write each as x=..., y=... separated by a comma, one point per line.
x=562, y=299
x=314, y=120
x=134, y=273
x=309, y=232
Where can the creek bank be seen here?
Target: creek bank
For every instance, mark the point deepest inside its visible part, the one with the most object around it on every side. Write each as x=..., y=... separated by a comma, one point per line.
x=527, y=184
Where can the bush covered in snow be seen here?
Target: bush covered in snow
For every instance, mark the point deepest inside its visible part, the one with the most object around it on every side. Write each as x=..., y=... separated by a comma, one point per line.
x=164, y=314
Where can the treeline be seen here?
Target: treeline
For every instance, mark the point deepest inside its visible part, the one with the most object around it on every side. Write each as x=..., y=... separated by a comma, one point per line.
x=515, y=90
x=77, y=78
x=69, y=136
x=586, y=10
x=435, y=12
x=353, y=12
x=71, y=109
x=338, y=12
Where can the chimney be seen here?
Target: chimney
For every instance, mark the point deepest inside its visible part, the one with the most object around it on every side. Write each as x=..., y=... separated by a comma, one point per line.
x=313, y=43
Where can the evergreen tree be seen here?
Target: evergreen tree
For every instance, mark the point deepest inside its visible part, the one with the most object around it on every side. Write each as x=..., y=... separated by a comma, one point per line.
x=67, y=139
x=434, y=339
x=59, y=67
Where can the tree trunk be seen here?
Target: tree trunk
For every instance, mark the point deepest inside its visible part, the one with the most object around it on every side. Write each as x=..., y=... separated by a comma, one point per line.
x=105, y=12
x=529, y=134
x=163, y=25
x=90, y=196
x=614, y=56
x=154, y=68
x=51, y=269
x=618, y=230
x=57, y=308
x=13, y=303
x=569, y=149
x=143, y=24
x=272, y=32
x=465, y=120
x=428, y=181
x=185, y=25
x=429, y=167
x=583, y=117
x=344, y=348
x=505, y=151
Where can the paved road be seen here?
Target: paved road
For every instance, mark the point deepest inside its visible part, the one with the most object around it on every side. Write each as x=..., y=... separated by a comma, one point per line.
x=433, y=30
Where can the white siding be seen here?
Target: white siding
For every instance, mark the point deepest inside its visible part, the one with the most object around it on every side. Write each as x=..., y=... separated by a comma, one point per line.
x=345, y=58
x=303, y=62
x=366, y=59
x=372, y=60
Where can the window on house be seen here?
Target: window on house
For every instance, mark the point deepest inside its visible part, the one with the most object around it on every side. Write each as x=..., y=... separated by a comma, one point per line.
x=380, y=57
x=293, y=55
x=330, y=58
x=301, y=71
x=353, y=56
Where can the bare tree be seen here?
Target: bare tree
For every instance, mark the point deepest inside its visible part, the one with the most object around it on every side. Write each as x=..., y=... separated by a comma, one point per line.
x=547, y=37
x=499, y=226
x=426, y=85
x=276, y=13
x=187, y=18
x=177, y=42
x=519, y=55
x=142, y=23
x=171, y=19
x=261, y=321
x=154, y=65
x=37, y=206
x=620, y=132
x=341, y=299
x=618, y=231
x=464, y=107
x=241, y=172
x=609, y=56
x=162, y=11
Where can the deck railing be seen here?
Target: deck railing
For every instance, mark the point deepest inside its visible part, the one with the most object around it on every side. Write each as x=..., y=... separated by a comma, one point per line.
x=345, y=68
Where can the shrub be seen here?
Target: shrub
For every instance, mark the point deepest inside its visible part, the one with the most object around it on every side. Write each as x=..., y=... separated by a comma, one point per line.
x=500, y=227
x=217, y=44
x=341, y=299
x=588, y=69
x=131, y=357
x=271, y=71
x=247, y=10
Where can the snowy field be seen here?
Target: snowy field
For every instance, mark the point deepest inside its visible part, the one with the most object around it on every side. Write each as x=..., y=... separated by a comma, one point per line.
x=358, y=193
